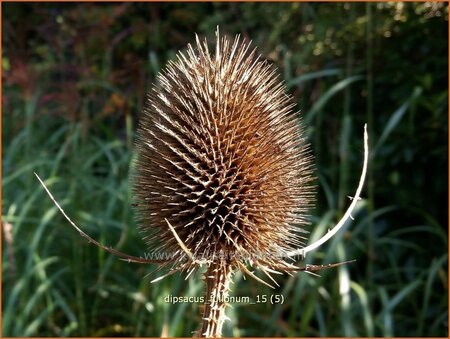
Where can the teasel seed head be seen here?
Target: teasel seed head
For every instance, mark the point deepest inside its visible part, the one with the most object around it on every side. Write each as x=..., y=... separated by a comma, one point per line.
x=223, y=167
x=221, y=155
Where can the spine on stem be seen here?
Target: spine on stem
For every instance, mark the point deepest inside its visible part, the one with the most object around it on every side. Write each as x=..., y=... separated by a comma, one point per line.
x=217, y=280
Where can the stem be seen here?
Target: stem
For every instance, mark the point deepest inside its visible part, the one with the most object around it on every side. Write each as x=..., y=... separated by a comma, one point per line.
x=217, y=279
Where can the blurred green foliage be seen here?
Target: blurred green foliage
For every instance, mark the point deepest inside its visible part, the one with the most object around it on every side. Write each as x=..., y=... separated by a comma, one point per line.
x=75, y=78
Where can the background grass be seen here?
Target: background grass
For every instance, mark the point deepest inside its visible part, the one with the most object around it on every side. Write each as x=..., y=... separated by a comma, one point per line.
x=74, y=81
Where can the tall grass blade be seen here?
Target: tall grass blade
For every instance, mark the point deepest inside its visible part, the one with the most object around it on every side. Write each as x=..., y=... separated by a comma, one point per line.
x=313, y=75
x=394, y=120
x=339, y=86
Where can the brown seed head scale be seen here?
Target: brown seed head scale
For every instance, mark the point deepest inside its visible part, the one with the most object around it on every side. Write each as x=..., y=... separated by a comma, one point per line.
x=223, y=175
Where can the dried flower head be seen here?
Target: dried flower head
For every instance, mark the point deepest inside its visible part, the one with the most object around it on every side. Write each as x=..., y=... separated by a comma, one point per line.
x=223, y=175
x=222, y=159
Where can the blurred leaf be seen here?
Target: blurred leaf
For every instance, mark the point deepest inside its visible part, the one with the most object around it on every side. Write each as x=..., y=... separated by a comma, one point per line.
x=311, y=76
x=394, y=120
x=339, y=86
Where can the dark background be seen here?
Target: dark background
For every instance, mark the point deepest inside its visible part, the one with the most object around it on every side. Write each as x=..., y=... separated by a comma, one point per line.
x=75, y=78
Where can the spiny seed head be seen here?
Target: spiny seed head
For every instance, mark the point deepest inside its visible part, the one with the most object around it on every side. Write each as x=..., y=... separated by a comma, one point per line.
x=221, y=157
